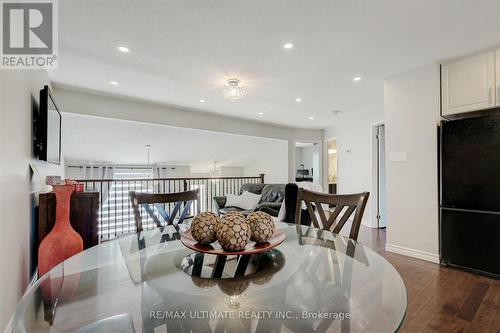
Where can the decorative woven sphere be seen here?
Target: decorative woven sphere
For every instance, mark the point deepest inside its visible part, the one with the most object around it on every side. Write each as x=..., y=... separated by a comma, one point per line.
x=263, y=279
x=262, y=226
x=233, y=233
x=203, y=227
x=203, y=282
x=231, y=213
x=233, y=287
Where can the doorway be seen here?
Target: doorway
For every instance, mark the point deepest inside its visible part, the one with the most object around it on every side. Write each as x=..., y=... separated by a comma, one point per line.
x=331, y=161
x=307, y=162
x=379, y=174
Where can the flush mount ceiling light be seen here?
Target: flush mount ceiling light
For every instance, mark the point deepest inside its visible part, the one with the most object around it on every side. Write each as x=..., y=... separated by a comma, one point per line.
x=298, y=100
x=113, y=83
x=123, y=49
x=260, y=113
x=233, y=91
x=288, y=46
x=311, y=118
x=357, y=78
x=202, y=100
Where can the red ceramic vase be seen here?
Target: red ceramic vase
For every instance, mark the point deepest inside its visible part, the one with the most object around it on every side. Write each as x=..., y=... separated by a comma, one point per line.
x=63, y=241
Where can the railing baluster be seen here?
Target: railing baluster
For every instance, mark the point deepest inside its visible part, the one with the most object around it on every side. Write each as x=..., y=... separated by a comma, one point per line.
x=109, y=212
x=168, y=192
x=122, y=212
x=135, y=189
x=128, y=206
x=99, y=221
x=206, y=195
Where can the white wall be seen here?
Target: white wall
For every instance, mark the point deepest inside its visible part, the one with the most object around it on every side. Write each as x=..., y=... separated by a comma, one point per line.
x=411, y=116
x=233, y=171
x=354, y=154
x=120, y=107
x=273, y=160
x=16, y=90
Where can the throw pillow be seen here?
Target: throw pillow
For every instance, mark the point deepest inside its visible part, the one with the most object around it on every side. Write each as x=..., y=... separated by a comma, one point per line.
x=246, y=201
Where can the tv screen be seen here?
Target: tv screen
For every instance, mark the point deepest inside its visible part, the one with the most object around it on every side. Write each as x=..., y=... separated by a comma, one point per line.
x=47, y=124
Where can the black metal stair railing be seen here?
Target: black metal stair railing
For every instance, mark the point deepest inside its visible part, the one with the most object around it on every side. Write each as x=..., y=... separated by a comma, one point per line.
x=115, y=210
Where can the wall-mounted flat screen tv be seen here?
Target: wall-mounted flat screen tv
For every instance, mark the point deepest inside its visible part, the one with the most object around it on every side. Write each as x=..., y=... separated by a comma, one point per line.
x=47, y=128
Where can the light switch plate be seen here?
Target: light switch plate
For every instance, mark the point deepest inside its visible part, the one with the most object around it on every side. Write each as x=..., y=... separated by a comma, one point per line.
x=400, y=156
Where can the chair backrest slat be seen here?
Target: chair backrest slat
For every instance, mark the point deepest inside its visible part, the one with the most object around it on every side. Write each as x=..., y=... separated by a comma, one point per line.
x=345, y=205
x=321, y=212
x=156, y=199
x=344, y=219
x=310, y=210
x=334, y=215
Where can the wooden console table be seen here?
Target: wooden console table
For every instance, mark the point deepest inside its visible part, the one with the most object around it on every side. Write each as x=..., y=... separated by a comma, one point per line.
x=83, y=216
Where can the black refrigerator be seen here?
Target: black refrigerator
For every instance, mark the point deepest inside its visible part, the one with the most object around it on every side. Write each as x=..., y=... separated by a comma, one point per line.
x=470, y=194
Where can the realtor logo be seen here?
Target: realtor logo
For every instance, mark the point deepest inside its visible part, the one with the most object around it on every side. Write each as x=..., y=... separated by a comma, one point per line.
x=29, y=34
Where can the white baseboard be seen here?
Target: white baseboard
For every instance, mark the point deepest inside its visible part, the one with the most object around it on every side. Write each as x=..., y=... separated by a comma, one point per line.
x=431, y=257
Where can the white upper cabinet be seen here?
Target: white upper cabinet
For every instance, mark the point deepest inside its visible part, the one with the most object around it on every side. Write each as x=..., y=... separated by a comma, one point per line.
x=469, y=84
x=497, y=66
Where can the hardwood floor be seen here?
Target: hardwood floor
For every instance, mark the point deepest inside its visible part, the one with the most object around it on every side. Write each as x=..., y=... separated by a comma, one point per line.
x=441, y=299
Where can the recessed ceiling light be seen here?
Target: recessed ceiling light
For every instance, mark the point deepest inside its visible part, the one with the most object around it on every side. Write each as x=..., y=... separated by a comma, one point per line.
x=298, y=100
x=311, y=118
x=288, y=45
x=123, y=49
x=113, y=83
x=202, y=101
x=357, y=78
x=260, y=113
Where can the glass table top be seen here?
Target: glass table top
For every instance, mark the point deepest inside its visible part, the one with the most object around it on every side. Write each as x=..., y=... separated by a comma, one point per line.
x=314, y=281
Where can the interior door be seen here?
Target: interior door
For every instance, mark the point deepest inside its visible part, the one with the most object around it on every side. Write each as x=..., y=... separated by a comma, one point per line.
x=381, y=200
x=468, y=84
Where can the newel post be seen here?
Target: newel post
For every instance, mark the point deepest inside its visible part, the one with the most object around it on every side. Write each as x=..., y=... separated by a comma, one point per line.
x=261, y=178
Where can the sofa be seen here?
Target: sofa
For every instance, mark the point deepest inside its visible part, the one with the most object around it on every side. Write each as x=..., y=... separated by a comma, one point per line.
x=272, y=196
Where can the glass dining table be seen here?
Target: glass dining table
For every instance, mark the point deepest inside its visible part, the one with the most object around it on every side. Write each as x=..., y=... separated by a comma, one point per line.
x=315, y=281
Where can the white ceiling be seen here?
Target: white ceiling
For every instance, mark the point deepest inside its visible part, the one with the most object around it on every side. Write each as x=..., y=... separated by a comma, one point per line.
x=124, y=142
x=184, y=50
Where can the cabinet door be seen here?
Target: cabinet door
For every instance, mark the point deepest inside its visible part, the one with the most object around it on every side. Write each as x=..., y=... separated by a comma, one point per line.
x=468, y=84
x=497, y=81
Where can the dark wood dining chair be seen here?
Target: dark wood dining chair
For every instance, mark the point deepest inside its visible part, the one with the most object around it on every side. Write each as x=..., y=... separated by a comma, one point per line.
x=344, y=205
x=151, y=202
